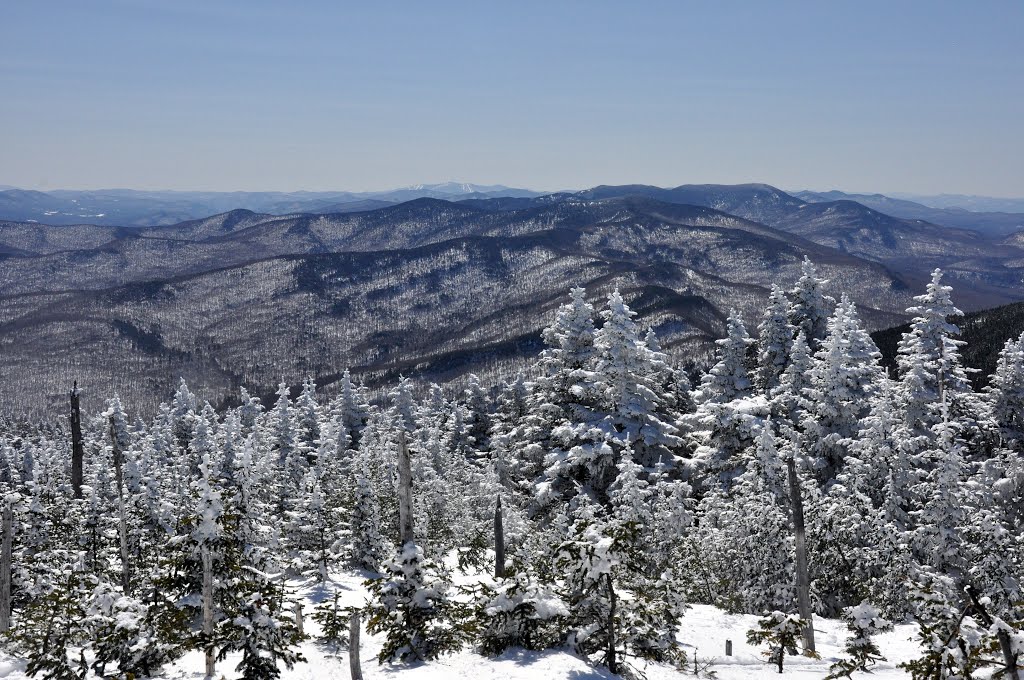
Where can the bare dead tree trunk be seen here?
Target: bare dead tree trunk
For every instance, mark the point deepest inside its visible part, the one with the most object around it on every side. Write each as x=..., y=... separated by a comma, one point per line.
x=5, y=565
x=404, y=490
x=499, y=542
x=208, y=609
x=609, y=657
x=354, y=628
x=77, y=448
x=1011, y=671
x=122, y=524
x=803, y=581
x=298, y=618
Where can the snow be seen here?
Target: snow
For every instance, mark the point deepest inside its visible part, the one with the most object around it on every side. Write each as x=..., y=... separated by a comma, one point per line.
x=703, y=634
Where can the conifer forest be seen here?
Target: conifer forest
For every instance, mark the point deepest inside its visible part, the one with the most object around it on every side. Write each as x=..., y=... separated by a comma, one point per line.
x=591, y=504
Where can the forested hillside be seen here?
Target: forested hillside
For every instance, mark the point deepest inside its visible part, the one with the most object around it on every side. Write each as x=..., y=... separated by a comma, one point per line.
x=428, y=288
x=584, y=508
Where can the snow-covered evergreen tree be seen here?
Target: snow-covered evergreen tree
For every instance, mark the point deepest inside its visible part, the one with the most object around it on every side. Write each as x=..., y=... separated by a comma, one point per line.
x=932, y=376
x=629, y=378
x=728, y=379
x=411, y=605
x=369, y=548
x=561, y=401
x=600, y=557
x=844, y=378
x=775, y=341
x=810, y=306
x=1006, y=390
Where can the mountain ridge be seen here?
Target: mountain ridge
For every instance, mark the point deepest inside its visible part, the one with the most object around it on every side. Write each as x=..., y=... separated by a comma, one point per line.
x=381, y=293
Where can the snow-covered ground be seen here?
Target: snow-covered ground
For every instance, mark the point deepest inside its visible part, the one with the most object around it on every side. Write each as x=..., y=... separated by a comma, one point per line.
x=703, y=634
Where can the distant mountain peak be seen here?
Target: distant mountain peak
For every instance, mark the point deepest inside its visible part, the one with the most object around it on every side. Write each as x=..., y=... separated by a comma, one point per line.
x=455, y=188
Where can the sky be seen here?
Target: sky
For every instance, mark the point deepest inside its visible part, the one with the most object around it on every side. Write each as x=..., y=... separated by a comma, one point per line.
x=895, y=96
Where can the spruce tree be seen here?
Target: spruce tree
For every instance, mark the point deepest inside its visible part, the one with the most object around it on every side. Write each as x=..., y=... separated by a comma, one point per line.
x=369, y=548
x=411, y=605
x=809, y=306
x=629, y=377
x=775, y=341
x=844, y=378
x=932, y=376
x=780, y=632
x=728, y=379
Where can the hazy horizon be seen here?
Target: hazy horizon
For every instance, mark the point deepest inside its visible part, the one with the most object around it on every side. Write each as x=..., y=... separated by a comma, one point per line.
x=789, y=190
x=918, y=97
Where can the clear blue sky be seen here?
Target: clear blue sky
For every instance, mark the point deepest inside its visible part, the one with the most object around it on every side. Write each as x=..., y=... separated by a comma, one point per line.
x=921, y=97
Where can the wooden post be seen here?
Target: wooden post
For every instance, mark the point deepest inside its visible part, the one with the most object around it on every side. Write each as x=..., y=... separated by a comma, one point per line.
x=803, y=581
x=728, y=647
x=353, y=647
x=122, y=525
x=499, y=542
x=5, y=564
x=77, y=448
x=298, y=617
x=208, y=609
x=404, y=490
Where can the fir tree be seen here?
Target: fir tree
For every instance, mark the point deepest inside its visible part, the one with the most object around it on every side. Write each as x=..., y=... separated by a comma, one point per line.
x=775, y=340
x=628, y=377
x=601, y=556
x=863, y=622
x=520, y=611
x=809, y=306
x=369, y=548
x=844, y=378
x=728, y=379
x=412, y=607
x=1006, y=390
x=564, y=395
x=932, y=376
x=780, y=632
x=261, y=629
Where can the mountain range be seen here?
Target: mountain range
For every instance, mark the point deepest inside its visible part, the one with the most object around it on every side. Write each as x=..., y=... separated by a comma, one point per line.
x=435, y=287
x=1007, y=219
x=133, y=208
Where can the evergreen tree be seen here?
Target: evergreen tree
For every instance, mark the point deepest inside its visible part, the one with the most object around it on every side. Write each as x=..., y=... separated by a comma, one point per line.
x=308, y=416
x=728, y=378
x=477, y=415
x=937, y=538
x=563, y=396
x=1006, y=391
x=843, y=380
x=809, y=306
x=137, y=638
x=518, y=612
x=932, y=376
x=746, y=560
x=352, y=408
x=53, y=625
x=369, y=547
x=789, y=398
x=775, y=341
x=412, y=607
x=628, y=377
x=601, y=556
x=780, y=632
x=263, y=631
x=249, y=411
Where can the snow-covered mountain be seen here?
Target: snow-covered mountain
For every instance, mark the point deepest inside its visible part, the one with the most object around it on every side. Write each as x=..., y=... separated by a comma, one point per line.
x=437, y=287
